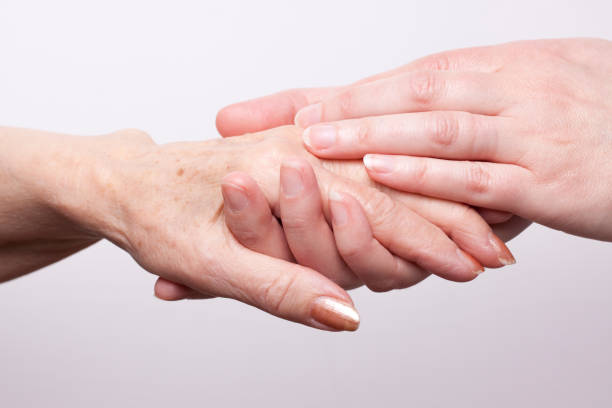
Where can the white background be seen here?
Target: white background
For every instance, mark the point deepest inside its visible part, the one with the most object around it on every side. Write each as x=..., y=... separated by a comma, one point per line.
x=88, y=332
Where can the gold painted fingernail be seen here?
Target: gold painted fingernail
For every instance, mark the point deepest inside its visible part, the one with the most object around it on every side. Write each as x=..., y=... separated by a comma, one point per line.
x=335, y=314
x=470, y=262
x=504, y=255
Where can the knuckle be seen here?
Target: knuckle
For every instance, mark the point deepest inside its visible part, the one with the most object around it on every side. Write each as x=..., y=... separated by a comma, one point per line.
x=444, y=129
x=345, y=102
x=421, y=172
x=425, y=87
x=295, y=223
x=478, y=178
x=466, y=215
x=296, y=97
x=275, y=294
x=353, y=251
x=383, y=209
x=439, y=62
x=463, y=219
x=364, y=132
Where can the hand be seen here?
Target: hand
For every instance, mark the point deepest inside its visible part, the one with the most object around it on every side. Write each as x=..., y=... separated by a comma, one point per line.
x=349, y=252
x=350, y=255
x=281, y=108
x=308, y=235
x=533, y=118
x=162, y=205
x=536, y=126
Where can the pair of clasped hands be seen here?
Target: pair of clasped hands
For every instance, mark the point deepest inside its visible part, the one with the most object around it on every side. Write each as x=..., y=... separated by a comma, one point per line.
x=460, y=151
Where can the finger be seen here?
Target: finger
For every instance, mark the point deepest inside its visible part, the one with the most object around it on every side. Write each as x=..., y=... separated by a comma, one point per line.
x=494, y=216
x=501, y=187
x=284, y=289
x=266, y=112
x=511, y=228
x=461, y=223
x=405, y=233
x=306, y=229
x=249, y=218
x=477, y=59
x=379, y=269
x=168, y=290
x=410, y=92
x=280, y=108
x=441, y=134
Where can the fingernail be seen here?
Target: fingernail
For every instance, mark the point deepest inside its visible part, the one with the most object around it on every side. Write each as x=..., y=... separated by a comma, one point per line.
x=335, y=314
x=234, y=197
x=470, y=262
x=309, y=115
x=320, y=136
x=503, y=253
x=378, y=164
x=291, y=181
x=338, y=209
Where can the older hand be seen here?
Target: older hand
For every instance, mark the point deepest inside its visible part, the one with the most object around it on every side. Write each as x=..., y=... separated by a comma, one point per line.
x=162, y=205
x=533, y=118
x=351, y=255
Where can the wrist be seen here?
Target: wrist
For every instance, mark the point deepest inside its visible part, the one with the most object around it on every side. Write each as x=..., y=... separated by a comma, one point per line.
x=70, y=179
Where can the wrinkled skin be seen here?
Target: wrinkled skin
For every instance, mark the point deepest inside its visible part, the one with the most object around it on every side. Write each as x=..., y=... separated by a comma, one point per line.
x=163, y=205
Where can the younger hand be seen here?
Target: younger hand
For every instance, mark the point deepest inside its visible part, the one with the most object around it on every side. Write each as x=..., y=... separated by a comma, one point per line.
x=533, y=119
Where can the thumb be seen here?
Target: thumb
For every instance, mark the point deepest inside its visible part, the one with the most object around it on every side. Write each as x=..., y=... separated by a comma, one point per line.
x=288, y=290
x=268, y=111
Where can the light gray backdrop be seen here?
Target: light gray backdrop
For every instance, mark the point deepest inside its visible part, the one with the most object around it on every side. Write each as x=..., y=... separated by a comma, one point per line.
x=88, y=332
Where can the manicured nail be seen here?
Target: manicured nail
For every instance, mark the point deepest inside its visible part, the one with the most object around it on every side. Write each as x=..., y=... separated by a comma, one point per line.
x=378, y=164
x=335, y=314
x=235, y=197
x=292, y=183
x=337, y=208
x=470, y=262
x=503, y=253
x=320, y=137
x=309, y=115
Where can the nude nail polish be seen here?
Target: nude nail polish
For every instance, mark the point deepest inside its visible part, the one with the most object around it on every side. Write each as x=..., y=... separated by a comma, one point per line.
x=234, y=197
x=309, y=115
x=335, y=314
x=291, y=180
x=338, y=209
x=320, y=137
x=504, y=255
x=378, y=164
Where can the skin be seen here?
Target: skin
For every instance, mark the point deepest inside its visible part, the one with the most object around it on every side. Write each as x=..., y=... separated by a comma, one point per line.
x=162, y=204
x=522, y=128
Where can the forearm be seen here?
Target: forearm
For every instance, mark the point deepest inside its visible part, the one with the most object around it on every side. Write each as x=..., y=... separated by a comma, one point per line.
x=41, y=174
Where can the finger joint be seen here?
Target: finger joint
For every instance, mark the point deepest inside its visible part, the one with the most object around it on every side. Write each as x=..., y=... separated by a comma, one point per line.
x=478, y=178
x=444, y=129
x=425, y=88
